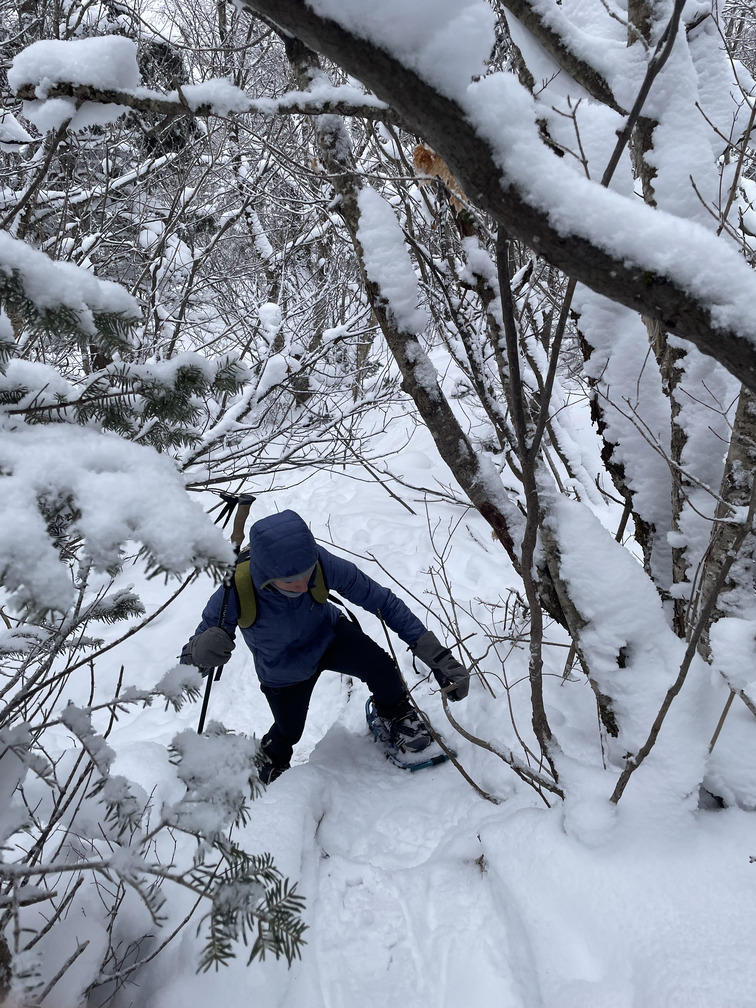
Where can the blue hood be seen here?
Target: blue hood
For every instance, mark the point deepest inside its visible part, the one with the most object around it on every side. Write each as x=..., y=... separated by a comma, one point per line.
x=290, y=635
x=281, y=546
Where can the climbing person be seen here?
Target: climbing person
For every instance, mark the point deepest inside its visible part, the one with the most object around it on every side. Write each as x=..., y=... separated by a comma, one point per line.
x=280, y=604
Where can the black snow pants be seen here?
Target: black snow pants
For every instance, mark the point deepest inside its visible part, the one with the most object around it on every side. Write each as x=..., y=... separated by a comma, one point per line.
x=352, y=653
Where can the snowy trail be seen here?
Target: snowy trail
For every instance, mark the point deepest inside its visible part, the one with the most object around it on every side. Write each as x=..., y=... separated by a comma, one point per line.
x=392, y=846
x=419, y=892
x=379, y=853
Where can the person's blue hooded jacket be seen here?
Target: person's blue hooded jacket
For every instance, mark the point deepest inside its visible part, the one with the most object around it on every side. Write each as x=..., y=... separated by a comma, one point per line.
x=290, y=635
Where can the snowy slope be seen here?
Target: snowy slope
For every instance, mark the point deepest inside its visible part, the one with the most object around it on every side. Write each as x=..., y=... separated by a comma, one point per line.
x=419, y=890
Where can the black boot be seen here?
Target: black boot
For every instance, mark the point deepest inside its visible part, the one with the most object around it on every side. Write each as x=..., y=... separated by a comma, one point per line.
x=267, y=770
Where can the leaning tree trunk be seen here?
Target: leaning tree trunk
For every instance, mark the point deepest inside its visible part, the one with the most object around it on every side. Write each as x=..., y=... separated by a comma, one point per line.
x=451, y=441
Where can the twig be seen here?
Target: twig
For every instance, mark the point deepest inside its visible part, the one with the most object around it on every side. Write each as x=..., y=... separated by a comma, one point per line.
x=23, y=696
x=660, y=57
x=63, y=969
x=532, y=777
x=722, y=716
x=449, y=752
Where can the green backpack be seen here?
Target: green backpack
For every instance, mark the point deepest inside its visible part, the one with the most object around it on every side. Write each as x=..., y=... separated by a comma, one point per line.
x=247, y=594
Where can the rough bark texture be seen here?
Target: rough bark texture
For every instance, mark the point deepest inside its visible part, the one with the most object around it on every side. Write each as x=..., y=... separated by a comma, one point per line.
x=5, y=970
x=736, y=493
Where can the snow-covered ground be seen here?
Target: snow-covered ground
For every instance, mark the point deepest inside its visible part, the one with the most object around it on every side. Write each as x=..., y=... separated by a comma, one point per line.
x=424, y=889
x=420, y=891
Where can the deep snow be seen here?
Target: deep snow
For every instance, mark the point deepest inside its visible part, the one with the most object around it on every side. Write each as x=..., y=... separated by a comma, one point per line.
x=419, y=891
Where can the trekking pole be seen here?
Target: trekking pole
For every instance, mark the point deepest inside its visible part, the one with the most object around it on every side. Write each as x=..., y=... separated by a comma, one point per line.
x=241, y=503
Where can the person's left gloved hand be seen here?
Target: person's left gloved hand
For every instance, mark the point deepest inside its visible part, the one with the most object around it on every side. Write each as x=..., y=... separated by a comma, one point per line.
x=209, y=649
x=443, y=665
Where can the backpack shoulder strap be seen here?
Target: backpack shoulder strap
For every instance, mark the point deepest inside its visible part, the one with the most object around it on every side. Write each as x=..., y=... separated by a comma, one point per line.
x=319, y=590
x=246, y=591
x=320, y=593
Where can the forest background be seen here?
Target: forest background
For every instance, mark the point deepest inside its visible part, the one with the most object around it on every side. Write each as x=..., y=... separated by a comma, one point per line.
x=469, y=285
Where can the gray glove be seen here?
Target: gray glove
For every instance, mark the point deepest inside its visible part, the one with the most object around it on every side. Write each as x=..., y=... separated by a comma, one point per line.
x=210, y=648
x=443, y=665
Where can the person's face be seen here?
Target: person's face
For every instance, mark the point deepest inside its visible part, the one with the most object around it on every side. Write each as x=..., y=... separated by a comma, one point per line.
x=299, y=586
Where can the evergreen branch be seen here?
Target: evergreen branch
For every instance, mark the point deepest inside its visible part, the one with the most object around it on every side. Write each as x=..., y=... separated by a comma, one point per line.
x=63, y=320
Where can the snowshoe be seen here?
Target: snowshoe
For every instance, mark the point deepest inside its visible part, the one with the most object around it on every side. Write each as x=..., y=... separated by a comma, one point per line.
x=405, y=740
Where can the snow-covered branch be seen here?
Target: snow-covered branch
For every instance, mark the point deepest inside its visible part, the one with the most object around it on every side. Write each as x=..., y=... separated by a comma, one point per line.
x=103, y=71
x=551, y=29
x=203, y=100
x=668, y=268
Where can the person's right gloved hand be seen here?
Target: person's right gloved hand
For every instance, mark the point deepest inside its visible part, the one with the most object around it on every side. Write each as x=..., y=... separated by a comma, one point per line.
x=210, y=648
x=445, y=667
